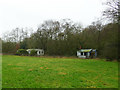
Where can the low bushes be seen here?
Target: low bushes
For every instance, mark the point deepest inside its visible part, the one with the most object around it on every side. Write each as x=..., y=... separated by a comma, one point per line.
x=22, y=52
x=33, y=53
x=25, y=53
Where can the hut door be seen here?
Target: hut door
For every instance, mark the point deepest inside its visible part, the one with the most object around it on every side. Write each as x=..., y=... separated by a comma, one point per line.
x=38, y=52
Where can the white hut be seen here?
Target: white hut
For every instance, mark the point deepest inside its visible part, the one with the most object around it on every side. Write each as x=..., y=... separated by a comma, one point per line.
x=40, y=52
x=87, y=53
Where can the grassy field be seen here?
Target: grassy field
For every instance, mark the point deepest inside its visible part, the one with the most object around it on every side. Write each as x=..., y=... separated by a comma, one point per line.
x=48, y=72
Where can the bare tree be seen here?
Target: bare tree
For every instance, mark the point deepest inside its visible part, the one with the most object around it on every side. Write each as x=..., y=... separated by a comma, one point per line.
x=113, y=10
x=16, y=35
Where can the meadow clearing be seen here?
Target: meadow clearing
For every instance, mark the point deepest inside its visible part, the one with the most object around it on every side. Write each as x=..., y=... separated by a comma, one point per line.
x=48, y=72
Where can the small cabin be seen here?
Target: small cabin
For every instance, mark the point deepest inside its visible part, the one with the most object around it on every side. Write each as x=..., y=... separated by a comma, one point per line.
x=87, y=53
x=39, y=51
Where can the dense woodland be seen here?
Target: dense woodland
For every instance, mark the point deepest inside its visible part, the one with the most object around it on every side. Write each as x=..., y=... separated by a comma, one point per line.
x=65, y=37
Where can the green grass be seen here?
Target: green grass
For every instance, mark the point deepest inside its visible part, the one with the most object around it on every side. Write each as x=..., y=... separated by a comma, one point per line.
x=46, y=72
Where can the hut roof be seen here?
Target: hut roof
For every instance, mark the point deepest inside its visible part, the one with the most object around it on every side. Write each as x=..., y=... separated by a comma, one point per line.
x=85, y=50
x=35, y=49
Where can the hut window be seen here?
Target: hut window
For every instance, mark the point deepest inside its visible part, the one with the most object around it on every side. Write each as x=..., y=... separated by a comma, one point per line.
x=81, y=53
x=41, y=51
x=85, y=53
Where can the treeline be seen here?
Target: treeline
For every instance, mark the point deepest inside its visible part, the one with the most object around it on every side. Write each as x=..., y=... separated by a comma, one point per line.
x=64, y=38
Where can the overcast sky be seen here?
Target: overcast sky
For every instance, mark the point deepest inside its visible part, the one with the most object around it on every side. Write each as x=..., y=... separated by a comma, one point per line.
x=30, y=13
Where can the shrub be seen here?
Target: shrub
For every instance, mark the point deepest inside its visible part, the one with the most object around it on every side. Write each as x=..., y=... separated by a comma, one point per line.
x=33, y=53
x=21, y=52
x=18, y=53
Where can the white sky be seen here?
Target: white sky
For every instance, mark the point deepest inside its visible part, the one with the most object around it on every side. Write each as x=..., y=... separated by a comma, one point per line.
x=30, y=13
